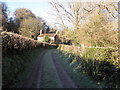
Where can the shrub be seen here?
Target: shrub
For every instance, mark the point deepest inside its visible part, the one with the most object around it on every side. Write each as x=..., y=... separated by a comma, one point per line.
x=17, y=52
x=98, y=63
x=47, y=39
x=12, y=43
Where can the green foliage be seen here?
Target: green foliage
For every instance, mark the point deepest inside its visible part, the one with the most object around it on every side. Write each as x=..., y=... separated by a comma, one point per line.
x=16, y=67
x=49, y=73
x=14, y=43
x=100, y=31
x=3, y=16
x=23, y=13
x=28, y=24
x=25, y=22
x=20, y=15
x=46, y=39
x=97, y=31
x=72, y=66
x=30, y=28
x=102, y=54
x=12, y=26
x=97, y=53
x=98, y=63
x=17, y=53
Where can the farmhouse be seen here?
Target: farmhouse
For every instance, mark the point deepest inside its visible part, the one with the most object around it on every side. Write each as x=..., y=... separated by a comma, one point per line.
x=52, y=36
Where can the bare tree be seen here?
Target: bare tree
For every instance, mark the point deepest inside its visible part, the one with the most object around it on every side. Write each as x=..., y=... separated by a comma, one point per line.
x=68, y=13
x=76, y=12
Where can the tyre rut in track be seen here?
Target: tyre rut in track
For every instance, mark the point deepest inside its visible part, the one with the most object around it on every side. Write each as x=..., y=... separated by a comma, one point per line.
x=64, y=77
x=36, y=76
x=33, y=79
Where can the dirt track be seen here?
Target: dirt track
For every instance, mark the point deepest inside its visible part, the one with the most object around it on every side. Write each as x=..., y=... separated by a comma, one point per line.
x=55, y=74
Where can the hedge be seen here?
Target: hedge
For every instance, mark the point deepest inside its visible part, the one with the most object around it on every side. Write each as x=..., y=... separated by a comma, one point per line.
x=101, y=64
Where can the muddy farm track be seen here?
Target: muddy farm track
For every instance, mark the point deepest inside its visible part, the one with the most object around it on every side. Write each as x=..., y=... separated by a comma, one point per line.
x=48, y=72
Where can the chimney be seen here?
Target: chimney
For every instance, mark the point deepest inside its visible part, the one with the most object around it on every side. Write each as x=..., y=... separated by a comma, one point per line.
x=57, y=32
x=40, y=31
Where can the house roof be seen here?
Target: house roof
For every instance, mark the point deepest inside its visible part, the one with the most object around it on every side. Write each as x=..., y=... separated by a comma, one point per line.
x=49, y=35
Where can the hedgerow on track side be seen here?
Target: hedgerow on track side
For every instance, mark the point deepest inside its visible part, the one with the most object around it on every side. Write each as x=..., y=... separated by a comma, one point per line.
x=18, y=54
x=12, y=42
x=101, y=64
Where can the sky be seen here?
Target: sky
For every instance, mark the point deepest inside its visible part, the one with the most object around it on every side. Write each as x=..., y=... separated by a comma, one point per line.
x=39, y=8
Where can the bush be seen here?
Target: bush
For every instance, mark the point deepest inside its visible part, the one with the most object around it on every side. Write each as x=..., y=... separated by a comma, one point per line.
x=15, y=66
x=47, y=39
x=12, y=43
x=98, y=63
x=17, y=53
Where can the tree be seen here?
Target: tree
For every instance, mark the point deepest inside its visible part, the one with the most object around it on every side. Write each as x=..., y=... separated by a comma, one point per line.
x=47, y=29
x=30, y=28
x=12, y=26
x=42, y=23
x=21, y=14
x=71, y=13
x=76, y=12
x=44, y=27
x=46, y=39
x=90, y=23
x=3, y=15
x=100, y=31
x=28, y=24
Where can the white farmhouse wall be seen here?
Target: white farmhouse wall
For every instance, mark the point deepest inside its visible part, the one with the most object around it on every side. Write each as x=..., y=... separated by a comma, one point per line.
x=52, y=38
x=40, y=39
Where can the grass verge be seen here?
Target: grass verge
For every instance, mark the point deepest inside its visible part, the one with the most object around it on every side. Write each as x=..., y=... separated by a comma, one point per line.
x=81, y=80
x=50, y=78
x=16, y=67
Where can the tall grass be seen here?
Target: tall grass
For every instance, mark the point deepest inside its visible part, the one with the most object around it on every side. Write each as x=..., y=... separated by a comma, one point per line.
x=101, y=64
